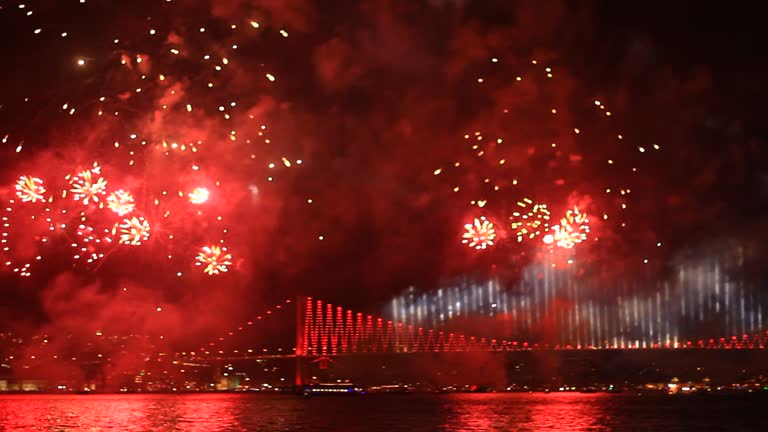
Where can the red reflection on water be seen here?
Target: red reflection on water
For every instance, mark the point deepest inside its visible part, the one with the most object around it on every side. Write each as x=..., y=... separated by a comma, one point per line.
x=474, y=412
x=117, y=412
x=69, y=412
x=208, y=412
x=568, y=411
x=528, y=412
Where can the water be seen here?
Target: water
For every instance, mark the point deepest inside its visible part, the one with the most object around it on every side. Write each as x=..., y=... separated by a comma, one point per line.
x=373, y=413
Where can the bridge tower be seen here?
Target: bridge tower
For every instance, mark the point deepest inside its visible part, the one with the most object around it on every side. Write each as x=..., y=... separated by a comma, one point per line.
x=301, y=378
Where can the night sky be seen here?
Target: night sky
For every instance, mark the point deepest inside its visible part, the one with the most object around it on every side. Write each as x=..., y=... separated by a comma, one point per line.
x=373, y=97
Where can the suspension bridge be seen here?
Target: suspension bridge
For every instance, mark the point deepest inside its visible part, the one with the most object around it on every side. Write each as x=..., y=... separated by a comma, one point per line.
x=324, y=331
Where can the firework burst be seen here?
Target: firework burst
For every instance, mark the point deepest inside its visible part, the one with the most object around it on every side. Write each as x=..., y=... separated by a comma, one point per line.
x=121, y=202
x=199, y=195
x=133, y=231
x=215, y=259
x=20, y=252
x=480, y=234
x=573, y=229
x=530, y=221
x=161, y=151
x=30, y=189
x=91, y=239
x=88, y=185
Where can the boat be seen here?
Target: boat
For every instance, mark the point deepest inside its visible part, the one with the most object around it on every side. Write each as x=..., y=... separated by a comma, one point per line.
x=332, y=389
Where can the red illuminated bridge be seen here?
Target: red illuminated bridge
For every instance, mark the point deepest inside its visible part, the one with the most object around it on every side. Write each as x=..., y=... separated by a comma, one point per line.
x=324, y=330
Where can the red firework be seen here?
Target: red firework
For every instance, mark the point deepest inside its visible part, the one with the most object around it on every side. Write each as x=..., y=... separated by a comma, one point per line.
x=573, y=229
x=480, y=234
x=216, y=259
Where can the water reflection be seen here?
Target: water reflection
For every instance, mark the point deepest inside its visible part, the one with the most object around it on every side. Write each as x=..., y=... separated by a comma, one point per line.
x=536, y=412
x=206, y=413
x=412, y=413
x=119, y=412
x=570, y=412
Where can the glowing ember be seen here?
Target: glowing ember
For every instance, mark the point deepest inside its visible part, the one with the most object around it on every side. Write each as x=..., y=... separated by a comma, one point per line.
x=121, y=202
x=573, y=229
x=199, y=195
x=88, y=185
x=90, y=241
x=531, y=220
x=479, y=235
x=214, y=258
x=134, y=230
x=29, y=189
